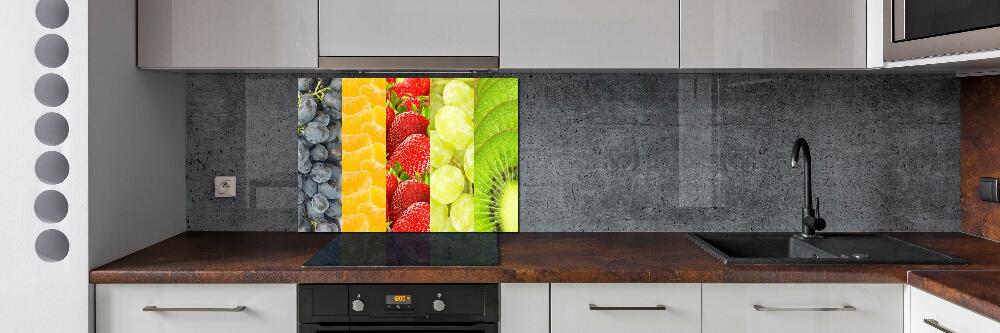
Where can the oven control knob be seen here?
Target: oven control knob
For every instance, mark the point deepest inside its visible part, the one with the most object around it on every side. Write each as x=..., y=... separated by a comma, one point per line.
x=358, y=305
x=438, y=305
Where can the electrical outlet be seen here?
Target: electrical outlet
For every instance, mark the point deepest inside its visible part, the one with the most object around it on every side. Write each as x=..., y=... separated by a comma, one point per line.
x=225, y=187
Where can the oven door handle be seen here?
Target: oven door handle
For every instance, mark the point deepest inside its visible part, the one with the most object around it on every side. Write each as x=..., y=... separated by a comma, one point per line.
x=315, y=328
x=481, y=327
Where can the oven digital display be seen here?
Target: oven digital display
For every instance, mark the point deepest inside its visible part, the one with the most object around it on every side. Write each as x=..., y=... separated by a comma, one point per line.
x=398, y=299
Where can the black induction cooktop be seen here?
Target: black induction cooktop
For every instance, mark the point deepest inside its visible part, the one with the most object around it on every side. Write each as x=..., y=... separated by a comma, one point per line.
x=408, y=249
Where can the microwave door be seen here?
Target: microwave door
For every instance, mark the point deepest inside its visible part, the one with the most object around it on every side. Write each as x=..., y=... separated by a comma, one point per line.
x=916, y=29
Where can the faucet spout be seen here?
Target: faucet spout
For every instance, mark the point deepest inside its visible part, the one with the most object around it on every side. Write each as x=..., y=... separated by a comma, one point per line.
x=810, y=222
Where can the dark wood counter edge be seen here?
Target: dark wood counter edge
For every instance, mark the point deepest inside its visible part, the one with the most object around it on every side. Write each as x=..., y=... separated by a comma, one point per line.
x=248, y=257
x=978, y=291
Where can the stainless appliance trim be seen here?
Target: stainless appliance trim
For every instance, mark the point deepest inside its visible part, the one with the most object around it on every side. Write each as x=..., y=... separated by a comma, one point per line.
x=935, y=324
x=594, y=307
x=896, y=48
x=410, y=63
x=154, y=308
x=848, y=307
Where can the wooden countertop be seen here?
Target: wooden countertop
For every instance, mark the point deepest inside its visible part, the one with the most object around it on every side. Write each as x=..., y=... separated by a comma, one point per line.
x=277, y=257
x=978, y=291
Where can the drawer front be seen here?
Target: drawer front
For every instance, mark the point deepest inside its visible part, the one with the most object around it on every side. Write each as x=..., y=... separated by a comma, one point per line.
x=269, y=308
x=946, y=315
x=571, y=310
x=731, y=308
x=404, y=28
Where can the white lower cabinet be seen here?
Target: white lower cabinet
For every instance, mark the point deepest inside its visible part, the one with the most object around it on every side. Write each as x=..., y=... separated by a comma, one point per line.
x=524, y=307
x=930, y=314
x=626, y=307
x=196, y=308
x=816, y=308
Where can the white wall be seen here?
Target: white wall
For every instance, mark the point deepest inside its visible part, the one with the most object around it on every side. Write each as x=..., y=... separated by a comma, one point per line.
x=137, y=188
x=38, y=295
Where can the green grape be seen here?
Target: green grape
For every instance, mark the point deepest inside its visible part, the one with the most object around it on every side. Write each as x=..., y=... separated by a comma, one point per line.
x=454, y=126
x=441, y=151
x=461, y=213
x=468, y=164
x=460, y=95
x=439, y=217
x=447, y=183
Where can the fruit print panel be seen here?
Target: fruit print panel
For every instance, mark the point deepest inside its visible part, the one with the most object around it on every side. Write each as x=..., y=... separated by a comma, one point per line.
x=364, y=155
x=495, y=175
x=319, y=154
x=407, y=154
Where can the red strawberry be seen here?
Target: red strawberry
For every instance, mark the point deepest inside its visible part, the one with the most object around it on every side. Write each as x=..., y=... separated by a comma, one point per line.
x=390, y=187
x=412, y=87
x=404, y=125
x=412, y=104
x=416, y=218
x=407, y=193
x=390, y=114
x=390, y=79
x=412, y=154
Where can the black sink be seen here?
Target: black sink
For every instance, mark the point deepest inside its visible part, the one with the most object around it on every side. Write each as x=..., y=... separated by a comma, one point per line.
x=786, y=248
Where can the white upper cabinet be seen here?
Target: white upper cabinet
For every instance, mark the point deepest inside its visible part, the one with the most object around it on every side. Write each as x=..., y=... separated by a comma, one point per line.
x=227, y=33
x=406, y=28
x=589, y=34
x=776, y=33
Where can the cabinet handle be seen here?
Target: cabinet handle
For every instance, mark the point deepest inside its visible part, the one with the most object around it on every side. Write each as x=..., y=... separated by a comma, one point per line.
x=159, y=309
x=935, y=324
x=594, y=307
x=848, y=307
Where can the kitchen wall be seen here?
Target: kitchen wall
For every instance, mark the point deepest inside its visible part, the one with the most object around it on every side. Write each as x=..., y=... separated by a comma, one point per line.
x=980, y=148
x=640, y=152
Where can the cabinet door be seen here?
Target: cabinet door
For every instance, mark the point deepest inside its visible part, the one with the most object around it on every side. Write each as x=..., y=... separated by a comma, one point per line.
x=626, y=307
x=524, y=308
x=817, y=308
x=589, y=34
x=930, y=314
x=773, y=34
x=269, y=308
x=405, y=28
x=227, y=33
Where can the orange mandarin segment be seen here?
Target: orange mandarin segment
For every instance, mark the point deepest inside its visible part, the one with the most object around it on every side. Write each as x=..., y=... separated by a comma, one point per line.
x=363, y=180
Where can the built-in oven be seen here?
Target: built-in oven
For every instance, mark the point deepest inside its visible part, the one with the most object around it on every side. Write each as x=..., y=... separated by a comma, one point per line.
x=916, y=29
x=385, y=308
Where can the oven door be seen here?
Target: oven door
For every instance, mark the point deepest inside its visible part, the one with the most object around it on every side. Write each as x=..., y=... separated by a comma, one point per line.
x=474, y=328
x=926, y=28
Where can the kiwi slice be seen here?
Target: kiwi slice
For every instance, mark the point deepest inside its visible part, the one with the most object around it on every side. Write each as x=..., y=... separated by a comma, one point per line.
x=502, y=90
x=501, y=118
x=496, y=183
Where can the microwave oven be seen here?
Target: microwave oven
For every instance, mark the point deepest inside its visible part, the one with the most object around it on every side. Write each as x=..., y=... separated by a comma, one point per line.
x=915, y=29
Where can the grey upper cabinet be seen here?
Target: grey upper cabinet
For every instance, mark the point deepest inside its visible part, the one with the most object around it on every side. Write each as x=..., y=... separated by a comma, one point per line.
x=407, y=28
x=589, y=34
x=193, y=34
x=774, y=34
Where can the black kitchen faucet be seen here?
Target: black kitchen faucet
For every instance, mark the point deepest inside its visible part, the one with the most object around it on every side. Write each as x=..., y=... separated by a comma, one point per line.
x=810, y=221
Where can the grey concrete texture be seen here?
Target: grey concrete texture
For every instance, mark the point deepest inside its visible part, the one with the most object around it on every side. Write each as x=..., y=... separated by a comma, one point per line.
x=642, y=152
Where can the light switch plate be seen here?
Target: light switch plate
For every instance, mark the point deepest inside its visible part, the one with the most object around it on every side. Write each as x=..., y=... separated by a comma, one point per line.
x=225, y=187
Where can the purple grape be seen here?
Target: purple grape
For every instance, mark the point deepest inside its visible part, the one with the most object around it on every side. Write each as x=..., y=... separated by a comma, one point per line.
x=322, y=172
x=335, y=210
x=318, y=153
x=307, y=111
x=331, y=191
x=316, y=133
x=335, y=84
x=305, y=166
x=307, y=84
x=309, y=187
x=322, y=118
x=327, y=226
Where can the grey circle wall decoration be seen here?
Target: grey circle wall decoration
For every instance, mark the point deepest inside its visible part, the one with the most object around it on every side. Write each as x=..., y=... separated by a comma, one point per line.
x=52, y=167
x=51, y=129
x=52, y=245
x=51, y=50
x=51, y=90
x=52, y=13
x=51, y=206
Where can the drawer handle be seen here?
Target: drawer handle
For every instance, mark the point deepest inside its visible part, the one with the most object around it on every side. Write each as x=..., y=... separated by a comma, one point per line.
x=848, y=307
x=658, y=307
x=935, y=324
x=240, y=308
